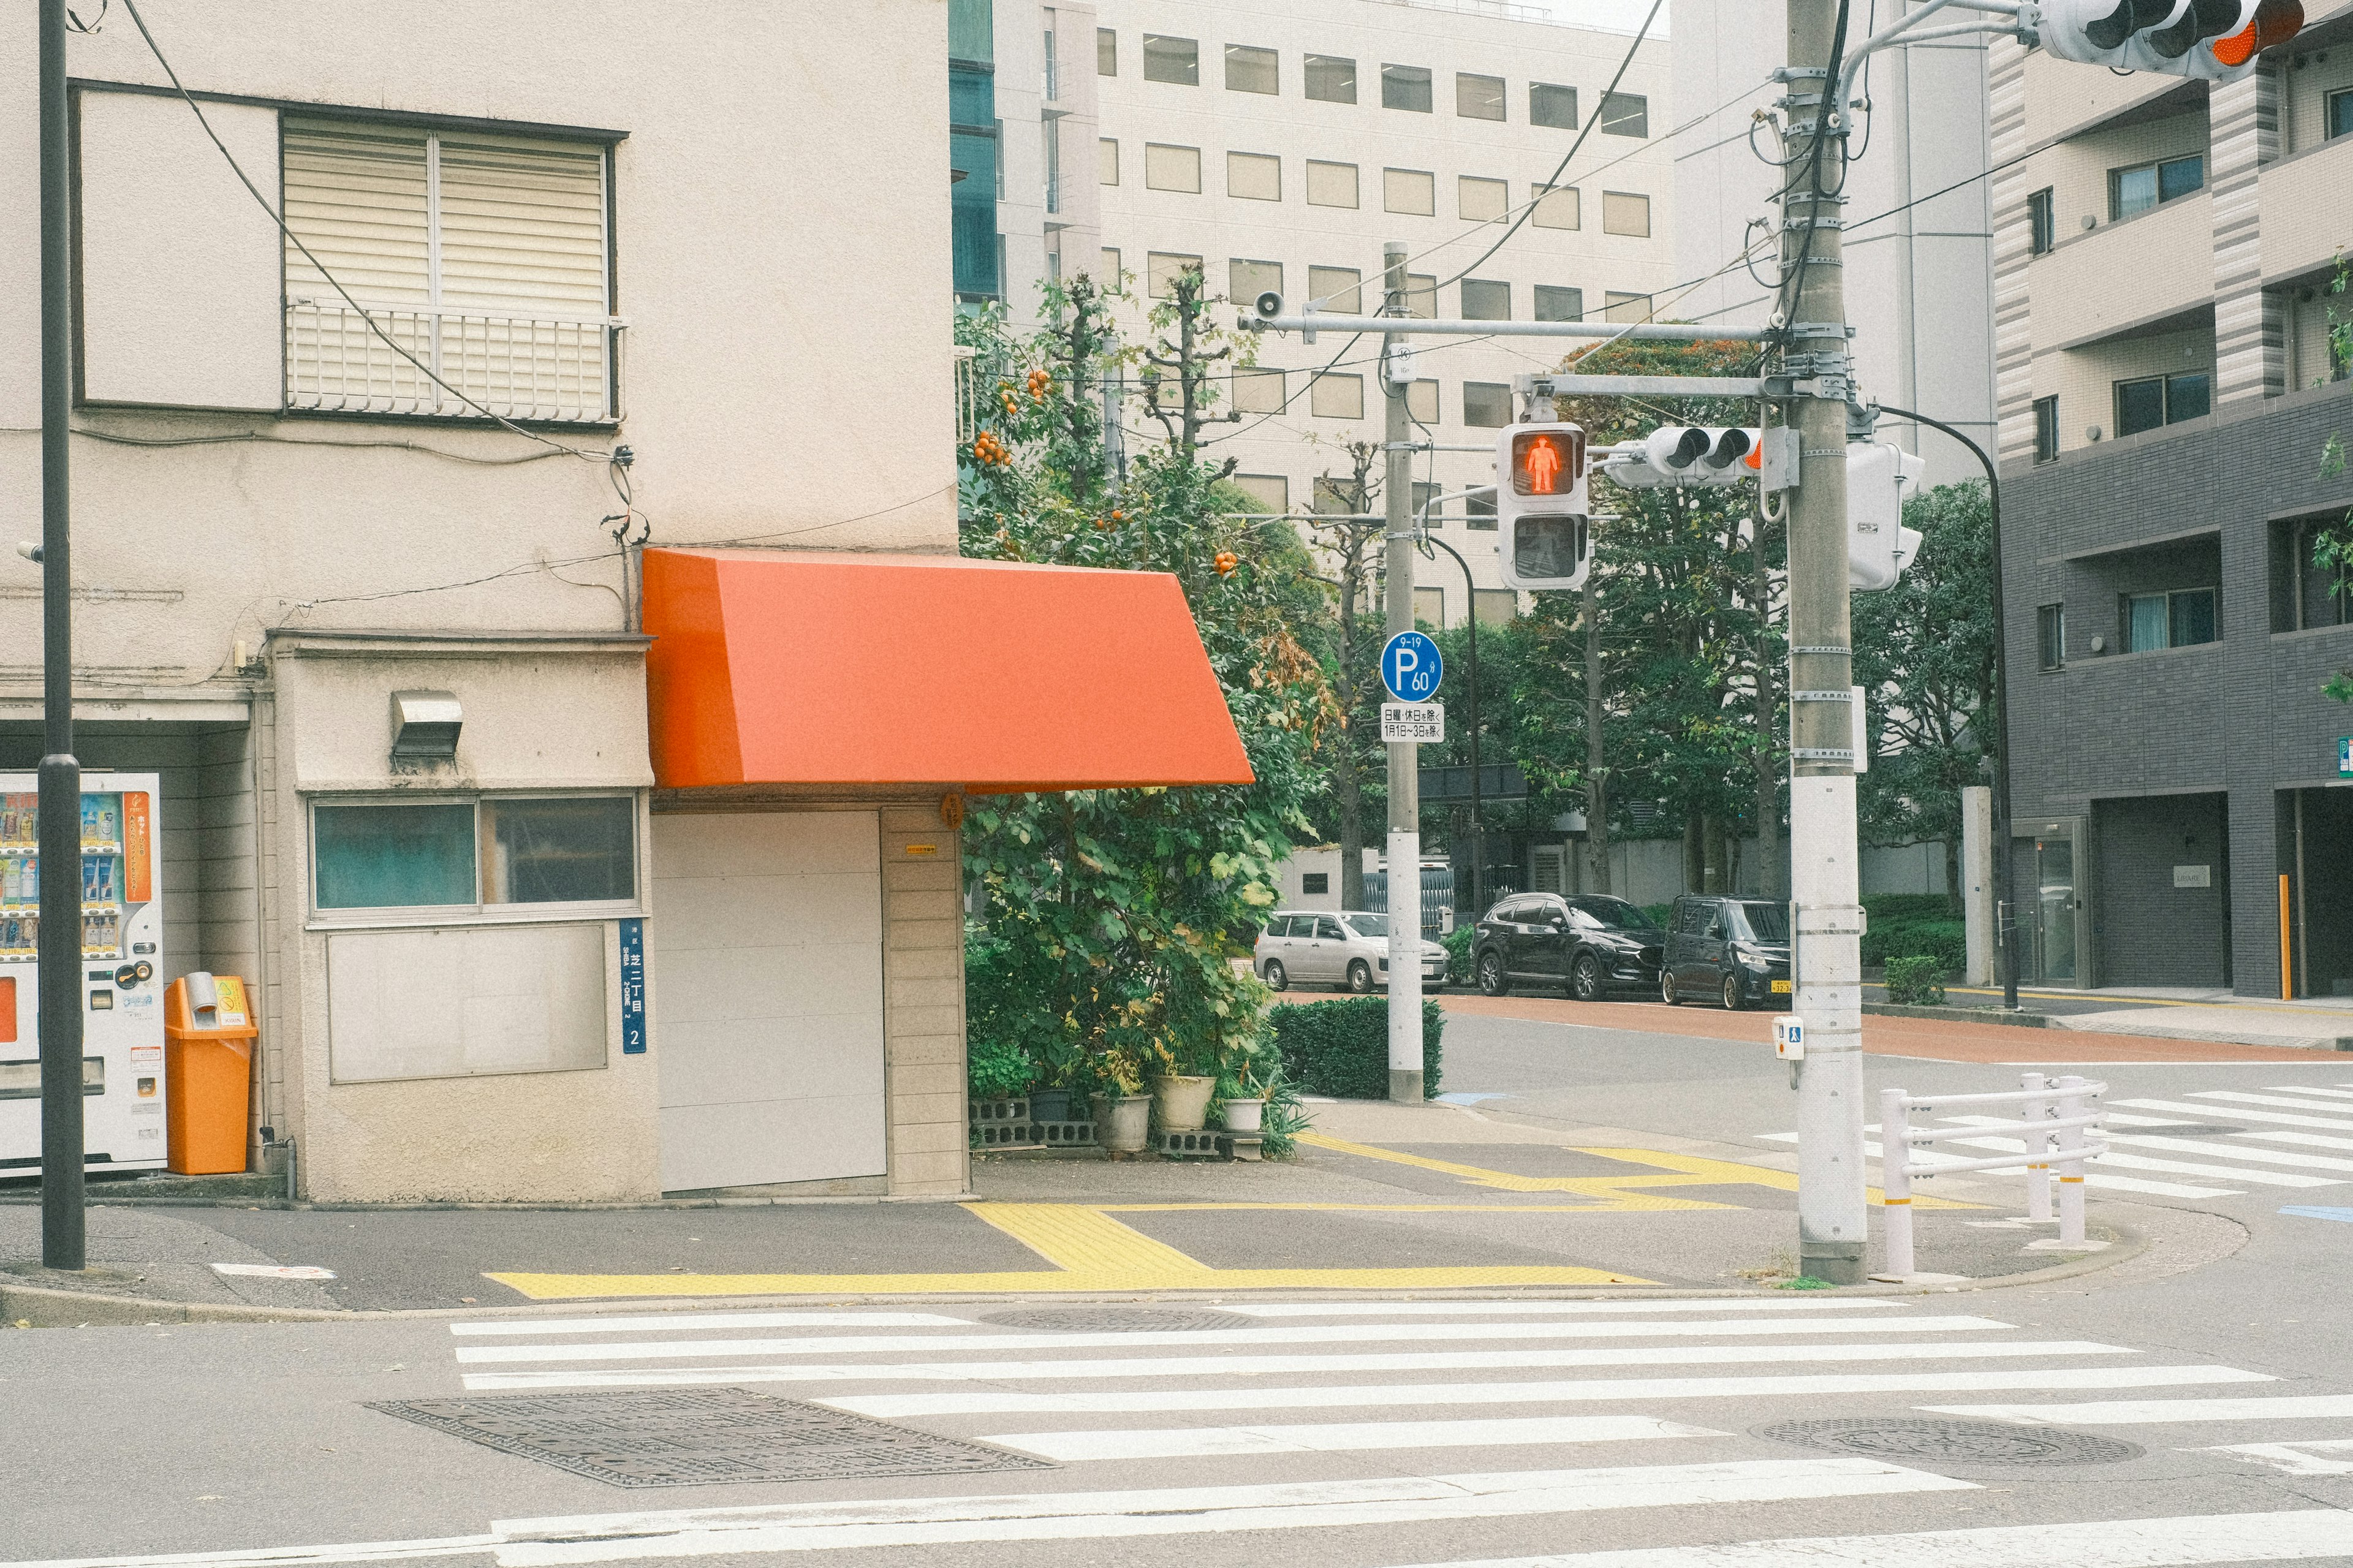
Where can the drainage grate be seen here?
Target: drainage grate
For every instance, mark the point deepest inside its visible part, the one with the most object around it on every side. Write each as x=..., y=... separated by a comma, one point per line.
x=699, y=1437
x=1955, y=1442
x=1116, y=1319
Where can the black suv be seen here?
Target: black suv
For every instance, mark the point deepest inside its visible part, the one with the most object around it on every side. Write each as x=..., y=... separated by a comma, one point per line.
x=1589, y=943
x=1733, y=950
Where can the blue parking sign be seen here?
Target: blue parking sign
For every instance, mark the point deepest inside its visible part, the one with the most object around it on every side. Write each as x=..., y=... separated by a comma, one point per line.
x=1412, y=668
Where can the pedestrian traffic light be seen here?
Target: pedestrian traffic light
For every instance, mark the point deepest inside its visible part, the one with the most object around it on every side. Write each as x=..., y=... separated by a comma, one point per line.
x=1878, y=478
x=2213, y=40
x=1542, y=532
x=1687, y=454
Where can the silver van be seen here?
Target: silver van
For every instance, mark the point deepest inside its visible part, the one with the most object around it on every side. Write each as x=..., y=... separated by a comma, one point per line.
x=1315, y=947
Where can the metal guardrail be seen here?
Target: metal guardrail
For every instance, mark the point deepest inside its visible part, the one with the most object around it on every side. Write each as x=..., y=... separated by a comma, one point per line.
x=2052, y=1120
x=557, y=370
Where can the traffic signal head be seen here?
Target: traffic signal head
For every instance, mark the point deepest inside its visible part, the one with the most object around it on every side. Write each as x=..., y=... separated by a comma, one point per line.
x=1688, y=455
x=2215, y=40
x=1542, y=529
x=1878, y=546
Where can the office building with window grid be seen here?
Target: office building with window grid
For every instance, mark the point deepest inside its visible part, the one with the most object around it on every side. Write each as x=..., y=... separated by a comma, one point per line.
x=2167, y=255
x=1279, y=145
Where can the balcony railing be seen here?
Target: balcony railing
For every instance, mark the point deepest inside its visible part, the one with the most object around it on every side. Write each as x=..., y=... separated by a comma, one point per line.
x=557, y=370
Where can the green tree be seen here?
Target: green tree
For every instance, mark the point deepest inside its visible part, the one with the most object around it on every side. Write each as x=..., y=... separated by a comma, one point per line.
x=1924, y=652
x=2332, y=547
x=1106, y=917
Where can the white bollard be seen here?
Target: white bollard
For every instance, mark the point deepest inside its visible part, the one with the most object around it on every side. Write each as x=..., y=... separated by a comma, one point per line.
x=2070, y=1170
x=1895, y=1183
x=2038, y=1149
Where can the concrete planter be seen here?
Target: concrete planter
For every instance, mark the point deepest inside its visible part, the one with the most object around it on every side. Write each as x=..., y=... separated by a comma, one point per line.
x=1181, y=1103
x=1244, y=1115
x=1122, y=1123
x=1049, y=1105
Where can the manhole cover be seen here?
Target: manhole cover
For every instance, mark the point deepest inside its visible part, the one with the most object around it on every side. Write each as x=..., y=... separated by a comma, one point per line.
x=1116, y=1320
x=1955, y=1442
x=699, y=1436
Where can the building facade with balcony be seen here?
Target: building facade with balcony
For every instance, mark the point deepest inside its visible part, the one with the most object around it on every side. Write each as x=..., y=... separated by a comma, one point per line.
x=457, y=551
x=2166, y=254
x=1021, y=101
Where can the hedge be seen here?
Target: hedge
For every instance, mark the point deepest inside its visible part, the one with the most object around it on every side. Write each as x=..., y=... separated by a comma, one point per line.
x=1341, y=1048
x=1945, y=941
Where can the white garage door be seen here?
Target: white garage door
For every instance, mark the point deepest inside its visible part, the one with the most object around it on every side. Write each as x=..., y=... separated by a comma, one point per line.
x=768, y=997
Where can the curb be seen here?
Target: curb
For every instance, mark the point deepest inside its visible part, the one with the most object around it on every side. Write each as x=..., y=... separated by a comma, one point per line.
x=2021, y=1020
x=41, y=1307
x=2320, y=1044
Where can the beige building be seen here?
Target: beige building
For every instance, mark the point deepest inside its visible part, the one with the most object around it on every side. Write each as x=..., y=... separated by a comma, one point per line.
x=358, y=510
x=1281, y=144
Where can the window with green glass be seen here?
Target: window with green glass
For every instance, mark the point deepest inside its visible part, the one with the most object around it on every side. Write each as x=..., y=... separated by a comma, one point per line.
x=395, y=855
x=541, y=850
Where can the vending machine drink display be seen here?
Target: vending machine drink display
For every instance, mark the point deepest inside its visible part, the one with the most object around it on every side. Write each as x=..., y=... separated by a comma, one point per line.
x=120, y=923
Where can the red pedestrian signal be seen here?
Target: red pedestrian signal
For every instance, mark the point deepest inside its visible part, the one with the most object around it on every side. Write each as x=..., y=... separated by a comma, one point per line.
x=1547, y=461
x=1544, y=538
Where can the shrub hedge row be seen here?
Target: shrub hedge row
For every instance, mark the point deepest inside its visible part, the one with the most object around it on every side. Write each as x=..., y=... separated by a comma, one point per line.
x=1341, y=1048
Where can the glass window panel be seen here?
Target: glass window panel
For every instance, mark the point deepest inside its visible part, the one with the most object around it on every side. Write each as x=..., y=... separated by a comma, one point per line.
x=2146, y=623
x=1407, y=88
x=1413, y=192
x=1557, y=208
x=1331, y=184
x=2140, y=405
x=1110, y=264
x=1176, y=60
x=1421, y=402
x=2340, y=114
x=1336, y=498
x=1481, y=201
x=2192, y=617
x=1423, y=495
x=2042, y=231
x=388, y=855
x=2189, y=396
x=2051, y=626
x=1486, y=406
x=560, y=851
x=1480, y=510
x=1271, y=491
x=1486, y=300
x=1553, y=106
x=1339, y=398
x=1421, y=295
x=1167, y=168
x=1478, y=97
x=1430, y=606
x=972, y=30
x=1336, y=289
x=1496, y=606
x=1246, y=280
x=1623, y=211
x=1625, y=114
x=1254, y=176
x=1555, y=304
x=1258, y=391
x=2046, y=428
x=2179, y=176
x=1251, y=70
x=1107, y=161
x=1617, y=307
x=1331, y=78
x=1106, y=52
x=2131, y=191
x=1161, y=267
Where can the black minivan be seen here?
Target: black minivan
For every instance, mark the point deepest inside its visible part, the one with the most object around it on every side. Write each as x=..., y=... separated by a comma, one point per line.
x=1727, y=950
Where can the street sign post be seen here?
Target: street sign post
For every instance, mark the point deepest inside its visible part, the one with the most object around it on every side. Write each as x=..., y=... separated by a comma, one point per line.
x=1412, y=668
x=1414, y=724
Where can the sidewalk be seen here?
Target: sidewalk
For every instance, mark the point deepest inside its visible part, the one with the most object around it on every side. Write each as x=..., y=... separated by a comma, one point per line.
x=2323, y=1024
x=1382, y=1199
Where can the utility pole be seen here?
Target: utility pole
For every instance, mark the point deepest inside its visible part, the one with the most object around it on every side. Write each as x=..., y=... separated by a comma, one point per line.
x=1824, y=887
x=1597, y=756
x=58, y=968
x=1405, y=779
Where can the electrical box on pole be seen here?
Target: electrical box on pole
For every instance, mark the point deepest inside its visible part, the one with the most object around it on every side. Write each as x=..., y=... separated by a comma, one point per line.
x=1543, y=520
x=2209, y=40
x=1879, y=479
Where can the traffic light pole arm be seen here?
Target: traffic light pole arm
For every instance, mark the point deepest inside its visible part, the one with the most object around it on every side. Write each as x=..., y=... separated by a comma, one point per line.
x=2005, y=942
x=1316, y=321
x=1907, y=29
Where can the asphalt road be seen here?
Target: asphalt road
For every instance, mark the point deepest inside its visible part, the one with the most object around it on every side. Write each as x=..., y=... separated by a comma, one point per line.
x=2192, y=1404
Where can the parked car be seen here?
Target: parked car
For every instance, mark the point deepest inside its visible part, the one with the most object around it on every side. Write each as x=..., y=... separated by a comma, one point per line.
x=1347, y=948
x=1733, y=950
x=1590, y=943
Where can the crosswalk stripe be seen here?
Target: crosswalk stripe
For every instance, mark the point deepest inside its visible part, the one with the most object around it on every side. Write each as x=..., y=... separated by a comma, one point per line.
x=2136, y=1412
x=2274, y=1118
x=1194, y=1510
x=2143, y=1162
x=2299, y=1536
x=2308, y=1459
x=2091, y=1178
x=1546, y=1308
x=663, y=1322
x=2240, y=1096
x=2301, y=1139
x=1345, y=1334
x=2310, y=1088
x=1131, y=1402
x=2233, y=1151
x=1340, y=1438
x=1260, y=1366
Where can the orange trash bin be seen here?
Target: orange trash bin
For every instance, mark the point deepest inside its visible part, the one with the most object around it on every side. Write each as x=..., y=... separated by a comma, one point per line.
x=208, y=1034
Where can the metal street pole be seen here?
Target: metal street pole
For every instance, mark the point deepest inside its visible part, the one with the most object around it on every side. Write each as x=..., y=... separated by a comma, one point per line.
x=2005, y=933
x=1404, y=781
x=1478, y=817
x=60, y=963
x=1824, y=887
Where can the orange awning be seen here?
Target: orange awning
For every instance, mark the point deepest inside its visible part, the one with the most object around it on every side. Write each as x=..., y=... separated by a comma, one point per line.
x=772, y=667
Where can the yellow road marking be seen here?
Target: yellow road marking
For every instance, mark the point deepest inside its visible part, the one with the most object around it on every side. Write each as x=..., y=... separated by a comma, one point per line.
x=582, y=1287
x=1082, y=1239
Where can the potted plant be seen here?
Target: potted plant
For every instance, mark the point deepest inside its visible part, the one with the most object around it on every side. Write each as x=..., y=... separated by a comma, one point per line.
x=1242, y=1103
x=1123, y=1115
x=1180, y=1100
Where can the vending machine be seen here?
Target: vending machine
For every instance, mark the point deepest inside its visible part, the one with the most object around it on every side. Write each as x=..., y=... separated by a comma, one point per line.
x=120, y=923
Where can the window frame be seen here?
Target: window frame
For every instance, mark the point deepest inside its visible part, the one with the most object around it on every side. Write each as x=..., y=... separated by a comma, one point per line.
x=1107, y=159
x=1465, y=184
x=1310, y=64
x=1618, y=200
x=482, y=911
x=1193, y=43
x=2165, y=386
x=2041, y=222
x=1639, y=115
x=1403, y=78
x=1465, y=81
x=1252, y=161
x=1542, y=198
x=1338, y=381
x=2051, y=636
x=1272, y=62
x=1536, y=93
x=2156, y=169
x=1486, y=389
x=2046, y=428
x=1484, y=313
x=1390, y=179
x=2165, y=596
x=1150, y=183
x=1356, y=185
x=1106, y=51
x=2330, y=104
x=1540, y=291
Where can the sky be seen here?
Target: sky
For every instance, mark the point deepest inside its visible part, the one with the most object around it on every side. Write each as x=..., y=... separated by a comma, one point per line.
x=1622, y=15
